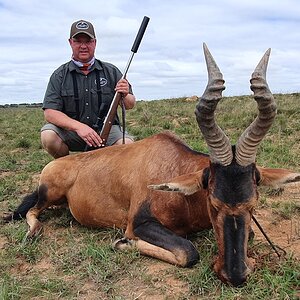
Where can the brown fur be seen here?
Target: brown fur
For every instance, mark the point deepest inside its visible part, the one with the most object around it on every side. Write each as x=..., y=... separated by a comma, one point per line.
x=104, y=188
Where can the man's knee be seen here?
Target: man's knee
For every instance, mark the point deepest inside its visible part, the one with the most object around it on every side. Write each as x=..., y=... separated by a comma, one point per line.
x=50, y=138
x=53, y=144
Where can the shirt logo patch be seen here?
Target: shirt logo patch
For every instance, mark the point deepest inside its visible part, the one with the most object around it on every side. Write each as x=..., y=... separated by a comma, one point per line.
x=82, y=25
x=103, y=81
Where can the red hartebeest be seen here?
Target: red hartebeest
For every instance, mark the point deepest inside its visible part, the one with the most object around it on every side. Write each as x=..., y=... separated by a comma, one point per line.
x=110, y=187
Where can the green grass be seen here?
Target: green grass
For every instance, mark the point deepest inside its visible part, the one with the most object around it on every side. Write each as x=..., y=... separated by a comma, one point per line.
x=72, y=262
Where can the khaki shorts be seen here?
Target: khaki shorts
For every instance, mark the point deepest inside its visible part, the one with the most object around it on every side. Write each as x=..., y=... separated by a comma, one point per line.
x=76, y=143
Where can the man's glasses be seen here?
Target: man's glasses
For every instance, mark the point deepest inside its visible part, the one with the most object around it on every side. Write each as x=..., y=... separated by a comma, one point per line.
x=81, y=43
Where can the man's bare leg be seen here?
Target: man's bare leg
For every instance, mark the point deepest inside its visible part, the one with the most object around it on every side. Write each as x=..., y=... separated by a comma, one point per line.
x=53, y=144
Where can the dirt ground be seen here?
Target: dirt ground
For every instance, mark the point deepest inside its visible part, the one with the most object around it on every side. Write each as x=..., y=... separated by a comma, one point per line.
x=283, y=233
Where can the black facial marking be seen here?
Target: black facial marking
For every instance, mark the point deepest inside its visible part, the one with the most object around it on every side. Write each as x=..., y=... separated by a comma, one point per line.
x=233, y=183
x=257, y=176
x=234, y=239
x=205, y=178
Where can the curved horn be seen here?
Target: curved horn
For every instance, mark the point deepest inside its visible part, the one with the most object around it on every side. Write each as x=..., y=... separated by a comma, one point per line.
x=248, y=142
x=218, y=143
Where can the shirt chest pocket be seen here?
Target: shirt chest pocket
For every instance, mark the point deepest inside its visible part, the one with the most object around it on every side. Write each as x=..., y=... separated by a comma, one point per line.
x=70, y=104
x=105, y=95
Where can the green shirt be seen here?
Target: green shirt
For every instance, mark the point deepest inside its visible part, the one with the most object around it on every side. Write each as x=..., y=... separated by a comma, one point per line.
x=60, y=91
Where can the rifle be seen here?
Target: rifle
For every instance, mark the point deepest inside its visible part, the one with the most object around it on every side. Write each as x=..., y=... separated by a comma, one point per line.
x=104, y=123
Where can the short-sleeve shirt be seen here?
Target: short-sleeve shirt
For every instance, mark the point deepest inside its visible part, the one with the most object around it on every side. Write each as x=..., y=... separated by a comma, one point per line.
x=60, y=93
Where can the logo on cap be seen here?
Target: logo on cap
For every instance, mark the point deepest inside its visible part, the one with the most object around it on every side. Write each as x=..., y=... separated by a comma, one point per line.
x=82, y=25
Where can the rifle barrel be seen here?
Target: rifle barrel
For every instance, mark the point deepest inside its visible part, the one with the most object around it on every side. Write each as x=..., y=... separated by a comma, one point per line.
x=128, y=65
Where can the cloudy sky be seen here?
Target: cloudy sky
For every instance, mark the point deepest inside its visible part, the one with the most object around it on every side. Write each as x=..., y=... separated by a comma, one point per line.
x=170, y=62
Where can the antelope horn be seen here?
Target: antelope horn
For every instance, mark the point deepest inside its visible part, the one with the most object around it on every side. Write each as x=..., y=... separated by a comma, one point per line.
x=218, y=143
x=248, y=142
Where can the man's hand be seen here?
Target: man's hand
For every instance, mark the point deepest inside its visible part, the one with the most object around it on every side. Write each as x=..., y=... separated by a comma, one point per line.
x=60, y=119
x=122, y=87
x=89, y=135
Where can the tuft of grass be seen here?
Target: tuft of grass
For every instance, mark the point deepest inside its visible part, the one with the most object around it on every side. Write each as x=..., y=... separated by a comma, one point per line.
x=23, y=143
x=9, y=288
x=286, y=209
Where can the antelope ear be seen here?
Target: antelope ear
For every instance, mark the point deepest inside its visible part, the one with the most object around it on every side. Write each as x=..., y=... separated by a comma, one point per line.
x=187, y=184
x=277, y=177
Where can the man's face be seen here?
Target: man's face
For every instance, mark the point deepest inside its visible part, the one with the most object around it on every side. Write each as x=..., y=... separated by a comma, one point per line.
x=83, y=47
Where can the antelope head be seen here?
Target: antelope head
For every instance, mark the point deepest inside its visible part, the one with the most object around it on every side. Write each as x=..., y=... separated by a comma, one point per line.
x=233, y=176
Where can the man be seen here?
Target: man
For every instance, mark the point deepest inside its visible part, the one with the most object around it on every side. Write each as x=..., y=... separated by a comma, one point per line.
x=75, y=93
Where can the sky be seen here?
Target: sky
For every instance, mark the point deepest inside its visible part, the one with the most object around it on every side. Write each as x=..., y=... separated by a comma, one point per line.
x=170, y=61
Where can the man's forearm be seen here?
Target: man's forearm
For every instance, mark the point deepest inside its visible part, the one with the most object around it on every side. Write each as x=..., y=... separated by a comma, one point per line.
x=129, y=101
x=60, y=119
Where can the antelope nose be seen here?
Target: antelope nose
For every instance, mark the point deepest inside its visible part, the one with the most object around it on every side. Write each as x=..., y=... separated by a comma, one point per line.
x=238, y=281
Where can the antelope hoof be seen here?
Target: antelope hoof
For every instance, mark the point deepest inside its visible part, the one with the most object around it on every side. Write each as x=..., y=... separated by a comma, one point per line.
x=123, y=244
x=35, y=231
x=7, y=217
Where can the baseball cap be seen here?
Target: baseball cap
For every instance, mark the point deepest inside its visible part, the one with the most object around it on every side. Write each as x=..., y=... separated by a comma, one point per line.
x=82, y=26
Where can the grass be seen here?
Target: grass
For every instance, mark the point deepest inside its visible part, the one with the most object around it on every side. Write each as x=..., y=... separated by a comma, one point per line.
x=72, y=262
